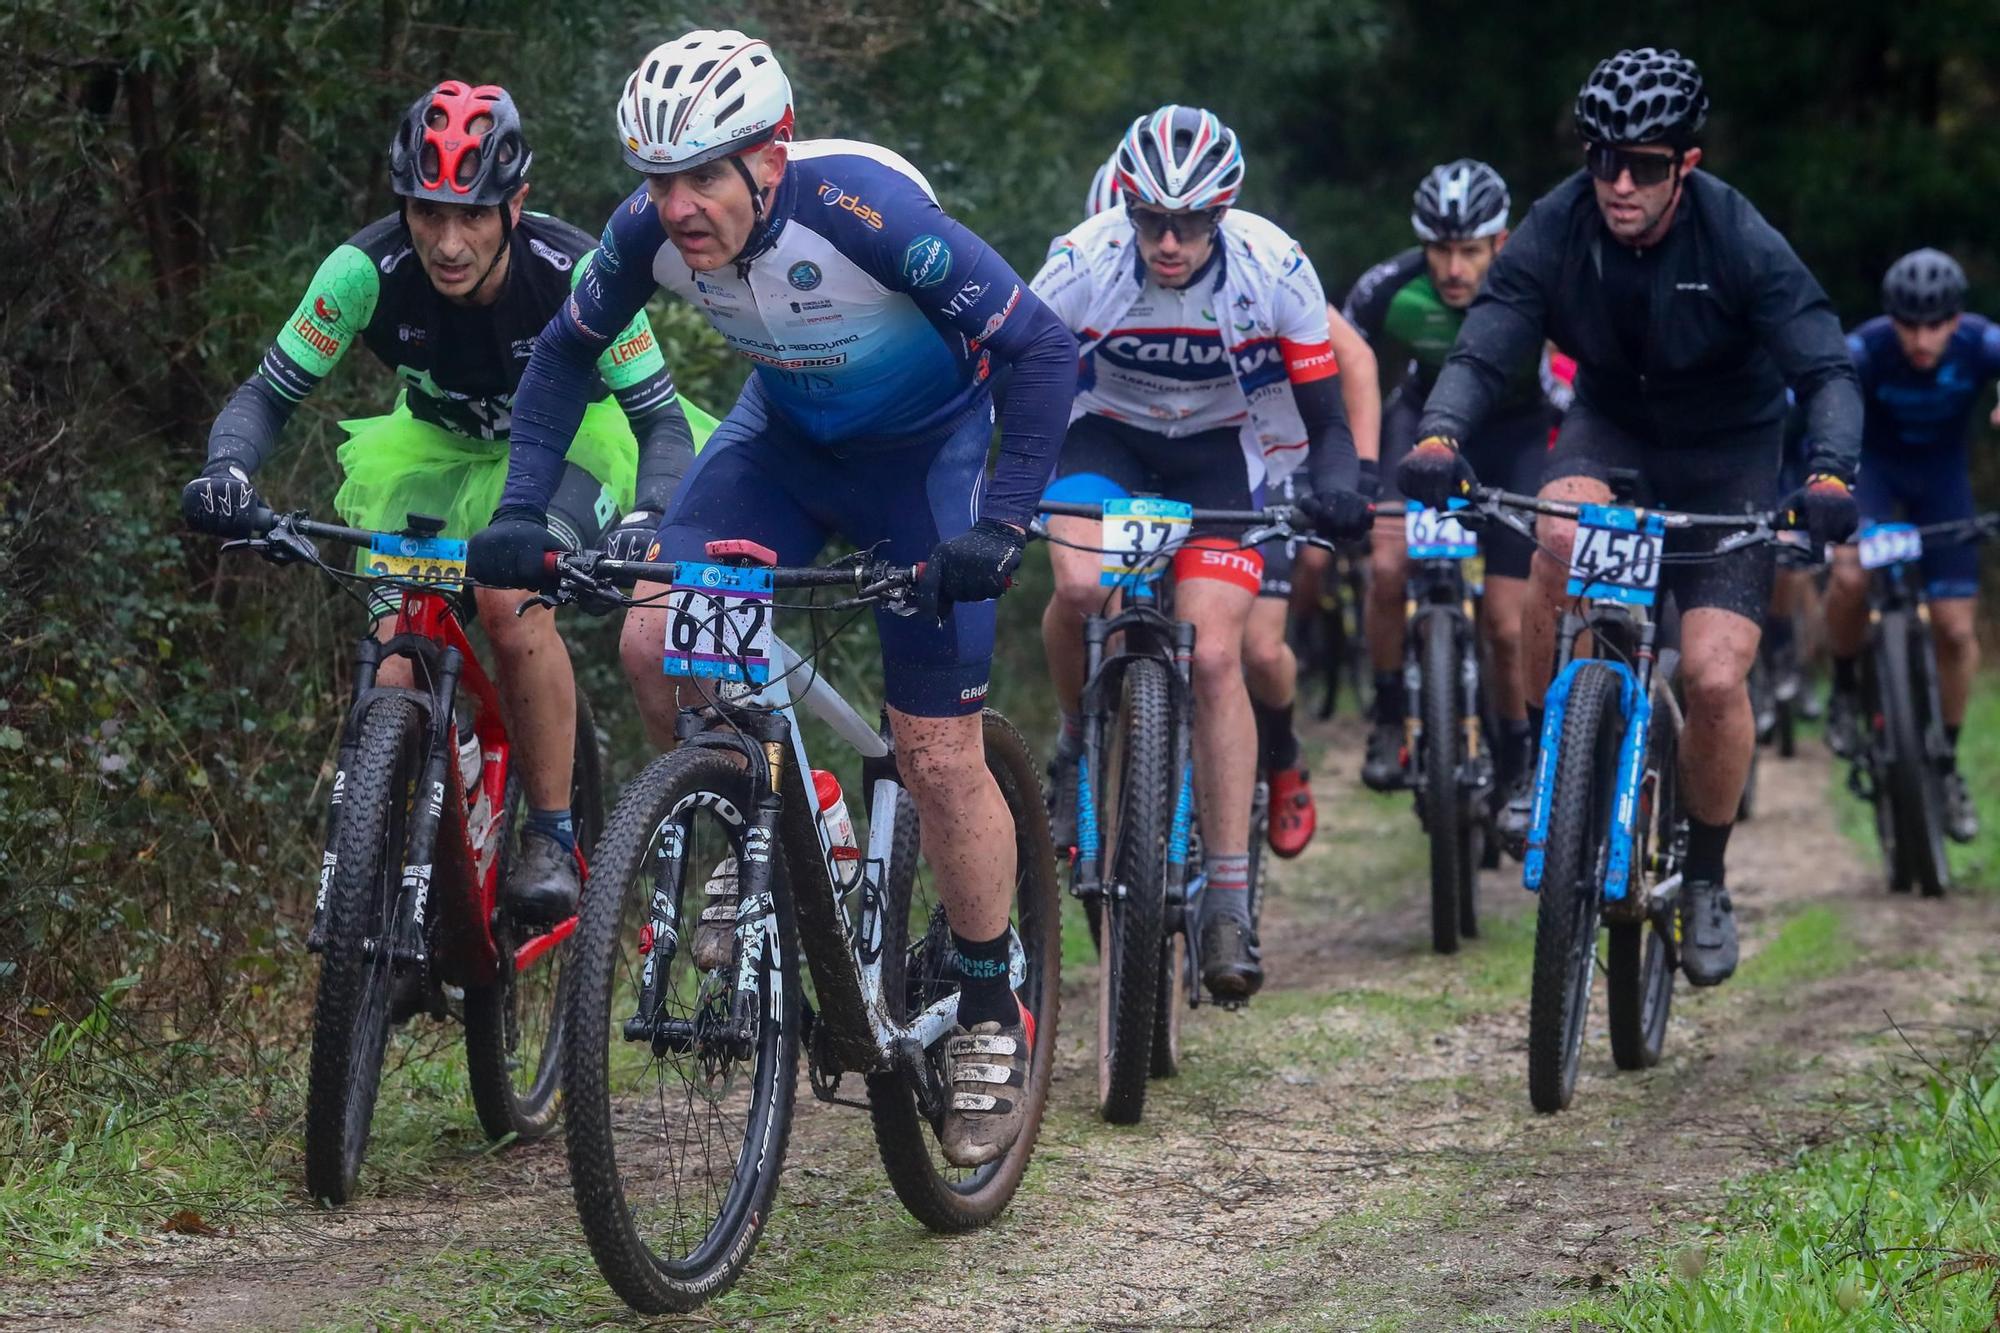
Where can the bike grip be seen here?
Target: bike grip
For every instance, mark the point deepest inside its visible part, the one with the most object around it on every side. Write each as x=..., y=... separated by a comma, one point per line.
x=262, y=520
x=549, y=559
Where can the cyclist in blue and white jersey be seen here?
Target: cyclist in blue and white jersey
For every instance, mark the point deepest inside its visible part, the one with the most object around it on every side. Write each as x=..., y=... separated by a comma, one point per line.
x=1924, y=364
x=1208, y=370
x=875, y=323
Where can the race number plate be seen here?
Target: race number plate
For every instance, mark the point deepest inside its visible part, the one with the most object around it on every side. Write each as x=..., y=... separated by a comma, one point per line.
x=1435, y=536
x=719, y=623
x=1139, y=536
x=1889, y=544
x=438, y=560
x=1616, y=556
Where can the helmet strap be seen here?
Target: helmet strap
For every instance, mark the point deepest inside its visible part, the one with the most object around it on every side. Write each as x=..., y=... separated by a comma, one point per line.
x=506, y=242
x=756, y=217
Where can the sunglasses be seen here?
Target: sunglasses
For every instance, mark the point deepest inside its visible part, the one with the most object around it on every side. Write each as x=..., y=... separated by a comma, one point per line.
x=1606, y=163
x=1153, y=224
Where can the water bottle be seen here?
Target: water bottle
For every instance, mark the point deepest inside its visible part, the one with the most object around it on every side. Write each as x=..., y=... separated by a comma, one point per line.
x=843, y=856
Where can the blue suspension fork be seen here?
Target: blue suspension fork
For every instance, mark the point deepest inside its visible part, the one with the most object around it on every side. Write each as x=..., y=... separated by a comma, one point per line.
x=1183, y=889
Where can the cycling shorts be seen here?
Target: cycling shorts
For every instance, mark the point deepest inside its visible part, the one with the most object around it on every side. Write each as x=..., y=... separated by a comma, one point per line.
x=1924, y=488
x=1729, y=472
x=760, y=480
x=1104, y=459
x=1508, y=452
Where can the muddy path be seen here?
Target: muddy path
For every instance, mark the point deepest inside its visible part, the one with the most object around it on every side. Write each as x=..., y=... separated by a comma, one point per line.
x=1355, y=1151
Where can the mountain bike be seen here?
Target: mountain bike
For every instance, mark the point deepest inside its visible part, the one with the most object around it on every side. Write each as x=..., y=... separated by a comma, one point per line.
x=1901, y=765
x=1608, y=833
x=422, y=825
x=1138, y=862
x=1450, y=762
x=679, y=1082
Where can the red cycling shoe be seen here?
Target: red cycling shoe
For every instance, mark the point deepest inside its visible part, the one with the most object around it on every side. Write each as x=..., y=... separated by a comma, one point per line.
x=1293, y=817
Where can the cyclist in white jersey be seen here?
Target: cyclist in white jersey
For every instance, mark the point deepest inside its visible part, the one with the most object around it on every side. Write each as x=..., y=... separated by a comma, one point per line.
x=1207, y=371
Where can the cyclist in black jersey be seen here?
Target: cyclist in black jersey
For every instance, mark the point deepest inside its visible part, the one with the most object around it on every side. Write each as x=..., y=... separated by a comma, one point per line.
x=449, y=293
x=1687, y=314
x=1410, y=307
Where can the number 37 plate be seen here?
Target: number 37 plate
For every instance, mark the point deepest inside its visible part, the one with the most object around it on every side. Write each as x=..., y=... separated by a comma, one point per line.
x=1616, y=556
x=719, y=623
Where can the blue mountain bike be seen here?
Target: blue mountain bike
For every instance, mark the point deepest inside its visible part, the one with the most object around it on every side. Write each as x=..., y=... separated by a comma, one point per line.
x=1608, y=834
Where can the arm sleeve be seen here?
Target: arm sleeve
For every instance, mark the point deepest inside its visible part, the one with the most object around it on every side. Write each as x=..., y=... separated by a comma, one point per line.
x=963, y=284
x=1360, y=386
x=1305, y=340
x=1796, y=324
x=336, y=307
x=1367, y=304
x=1989, y=352
x=636, y=372
x=1502, y=332
x=610, y=290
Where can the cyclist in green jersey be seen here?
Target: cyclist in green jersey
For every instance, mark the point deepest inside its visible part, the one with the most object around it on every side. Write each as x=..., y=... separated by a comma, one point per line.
x=449, y=293
x=1410, y=308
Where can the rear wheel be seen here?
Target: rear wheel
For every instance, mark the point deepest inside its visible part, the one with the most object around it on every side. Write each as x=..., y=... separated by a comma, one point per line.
x=1447, y=813
x=359, y=985
x=513, y=1027
x=1130, y=960
x=1572, y=873
x=917, y=971
x=676, y=1134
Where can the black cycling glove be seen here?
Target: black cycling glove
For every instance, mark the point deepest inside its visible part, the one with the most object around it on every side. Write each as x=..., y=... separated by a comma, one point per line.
x=1435, y=473
x=221, y=501
x=977, y=565
x=633, y=537
x=509, y=552
x=1338, y=515
x=1824, y=507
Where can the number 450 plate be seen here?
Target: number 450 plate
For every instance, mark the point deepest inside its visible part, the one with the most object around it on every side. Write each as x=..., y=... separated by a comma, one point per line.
x=719, y=623
x=1616, y=556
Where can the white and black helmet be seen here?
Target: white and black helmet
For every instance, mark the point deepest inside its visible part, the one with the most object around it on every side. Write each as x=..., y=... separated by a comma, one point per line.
x=1642, y=96
x=1180, y=158
x=1460, y=201
x=1923, y=287
x=703, y=96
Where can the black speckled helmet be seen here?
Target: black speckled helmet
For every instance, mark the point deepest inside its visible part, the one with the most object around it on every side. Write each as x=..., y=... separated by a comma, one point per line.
x=1643, y=96
x=1923, y=287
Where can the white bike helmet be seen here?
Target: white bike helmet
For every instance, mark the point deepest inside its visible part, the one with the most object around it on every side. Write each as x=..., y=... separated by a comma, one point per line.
x=1103, y=189
x=1180, y=158
x=697, y=98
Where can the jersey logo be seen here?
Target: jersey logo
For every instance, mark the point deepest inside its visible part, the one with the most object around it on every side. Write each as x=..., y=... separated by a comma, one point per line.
x=833, y=196
x=607, y=252
x=389, y=261
x=968, y=296
x=997, y=320
x=1260, y=363
x=927, y=262
x=636, y=346
x=325, y=310
x=559, y=261
x=1180, y=354
x=804, y=275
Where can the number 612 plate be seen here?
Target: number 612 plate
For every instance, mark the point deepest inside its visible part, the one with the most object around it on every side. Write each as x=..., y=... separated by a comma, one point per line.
x=719, y=623
x=1616, y=555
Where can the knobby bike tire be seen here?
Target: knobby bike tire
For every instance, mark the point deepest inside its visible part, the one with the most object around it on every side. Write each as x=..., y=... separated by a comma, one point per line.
x=1915, y=788
x=710, y=784
x=1567, y=913
x=1130, y=961
x=944, y=1198
x=1638, y=973
x=356, y=1002
x=1446, y=816
x=495, y=1062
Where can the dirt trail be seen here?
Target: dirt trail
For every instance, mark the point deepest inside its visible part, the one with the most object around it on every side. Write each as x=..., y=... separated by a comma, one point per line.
x=1355, y=1151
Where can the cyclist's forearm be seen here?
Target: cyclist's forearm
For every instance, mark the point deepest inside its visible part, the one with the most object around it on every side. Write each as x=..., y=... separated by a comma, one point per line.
x=246, y=430
x=1493, y=339
x=666, y=444
x=548, y=408
x=1360, y=387
x=1833, y=424
x=1330, y=454
x=1034, y=417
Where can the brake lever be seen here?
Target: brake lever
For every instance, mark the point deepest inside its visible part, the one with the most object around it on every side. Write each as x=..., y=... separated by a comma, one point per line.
x=550, y=600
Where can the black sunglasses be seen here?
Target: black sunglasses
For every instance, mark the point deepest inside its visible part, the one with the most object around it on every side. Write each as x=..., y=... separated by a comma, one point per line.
x=1606, y=163
x=1153, y=224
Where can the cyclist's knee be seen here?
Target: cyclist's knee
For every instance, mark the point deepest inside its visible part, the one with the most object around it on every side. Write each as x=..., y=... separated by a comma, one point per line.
x=1957, y=638
x=1218, y=661
x=942, y=764
x=1714, y=680
x=1847, y=580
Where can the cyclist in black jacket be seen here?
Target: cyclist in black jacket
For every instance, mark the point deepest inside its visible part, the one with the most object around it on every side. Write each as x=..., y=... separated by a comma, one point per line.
x=1687, y=314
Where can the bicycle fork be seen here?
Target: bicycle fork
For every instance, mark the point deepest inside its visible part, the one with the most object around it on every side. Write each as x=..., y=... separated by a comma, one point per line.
x=408, y=934
x=367, y=659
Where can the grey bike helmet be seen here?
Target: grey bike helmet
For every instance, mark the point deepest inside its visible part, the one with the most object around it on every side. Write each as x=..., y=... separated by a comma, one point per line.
x=1642, y=96
x=1923, y=287
x=1460, y=201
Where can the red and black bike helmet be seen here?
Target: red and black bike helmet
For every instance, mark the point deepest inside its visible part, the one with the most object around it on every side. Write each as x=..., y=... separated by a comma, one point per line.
x=460, y=145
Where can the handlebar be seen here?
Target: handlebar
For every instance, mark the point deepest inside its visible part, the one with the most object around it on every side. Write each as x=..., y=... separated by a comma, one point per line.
x=1274, y=514
x=1487, y=498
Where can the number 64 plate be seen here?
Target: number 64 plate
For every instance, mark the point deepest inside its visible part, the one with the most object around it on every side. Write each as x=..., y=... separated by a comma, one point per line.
x=1616, y=555
x=719, y=623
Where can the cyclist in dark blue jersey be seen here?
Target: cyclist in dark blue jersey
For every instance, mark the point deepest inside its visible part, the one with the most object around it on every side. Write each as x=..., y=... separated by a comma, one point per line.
x=1924, y=365
x=875, y=324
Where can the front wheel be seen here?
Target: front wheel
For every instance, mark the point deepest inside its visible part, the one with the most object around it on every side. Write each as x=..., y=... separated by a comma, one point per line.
x=917, y=971
x=1134, y=903
x=1448, y=815
x=678, y=1089
x=1915, y=790
x=359, y=981
x=1572, y=876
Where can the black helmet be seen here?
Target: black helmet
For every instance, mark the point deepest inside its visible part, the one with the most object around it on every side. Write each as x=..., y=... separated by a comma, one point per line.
x=1642, y=96
x=1460, y=201
x=1923, y=287
x=460, y=145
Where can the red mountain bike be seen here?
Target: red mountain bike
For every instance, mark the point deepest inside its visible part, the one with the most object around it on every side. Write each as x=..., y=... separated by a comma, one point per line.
x=421, y=826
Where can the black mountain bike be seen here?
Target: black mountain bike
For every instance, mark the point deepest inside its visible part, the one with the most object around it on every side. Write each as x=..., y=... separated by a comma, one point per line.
x=1138, y=864
x=679, y=1082
x=1901, y=765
